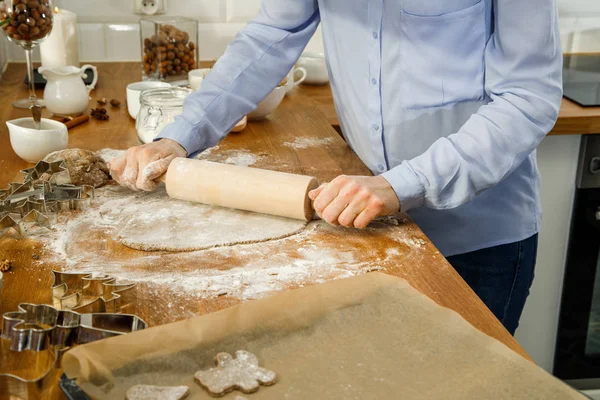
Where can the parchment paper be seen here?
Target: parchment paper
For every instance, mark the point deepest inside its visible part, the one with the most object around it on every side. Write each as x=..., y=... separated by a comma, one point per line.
x=372, y=336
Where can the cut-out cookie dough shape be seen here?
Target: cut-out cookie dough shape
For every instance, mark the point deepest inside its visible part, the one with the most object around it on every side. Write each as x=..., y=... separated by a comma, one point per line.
x=239, y=373
x=150, y=392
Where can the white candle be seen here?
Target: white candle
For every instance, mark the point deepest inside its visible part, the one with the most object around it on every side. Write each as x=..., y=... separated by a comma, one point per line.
x=60, y=48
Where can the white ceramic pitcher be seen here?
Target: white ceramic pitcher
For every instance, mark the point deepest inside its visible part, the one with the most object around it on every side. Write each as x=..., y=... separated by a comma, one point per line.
x=65, y=92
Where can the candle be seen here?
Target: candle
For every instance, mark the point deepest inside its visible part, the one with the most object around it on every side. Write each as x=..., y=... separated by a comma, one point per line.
x=60, y=48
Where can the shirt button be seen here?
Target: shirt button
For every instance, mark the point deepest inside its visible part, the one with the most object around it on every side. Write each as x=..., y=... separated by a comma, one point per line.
x=374, y=81
x=380, y=168
x=375, y=127
x=375, y=35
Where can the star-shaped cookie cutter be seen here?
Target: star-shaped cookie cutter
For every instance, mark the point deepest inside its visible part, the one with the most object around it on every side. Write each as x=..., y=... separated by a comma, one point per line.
x=85, y=293
x=36, y=203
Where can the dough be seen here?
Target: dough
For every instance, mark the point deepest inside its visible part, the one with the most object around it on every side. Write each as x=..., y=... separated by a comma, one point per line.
x=241, y=373
x=149, y=392
x=85, y=167
x=165, y=224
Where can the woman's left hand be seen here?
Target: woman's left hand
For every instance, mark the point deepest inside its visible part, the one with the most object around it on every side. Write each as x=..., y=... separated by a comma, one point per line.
x=354, y=201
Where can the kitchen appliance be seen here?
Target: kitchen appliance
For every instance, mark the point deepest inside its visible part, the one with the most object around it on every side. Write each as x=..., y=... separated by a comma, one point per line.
x=581, y=79
x=577, y=356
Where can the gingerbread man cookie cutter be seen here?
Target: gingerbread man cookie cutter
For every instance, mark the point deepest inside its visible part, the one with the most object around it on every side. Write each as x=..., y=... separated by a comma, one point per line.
x=44, y=330
x=37, y=327
x=240, y=373
x=84, y=293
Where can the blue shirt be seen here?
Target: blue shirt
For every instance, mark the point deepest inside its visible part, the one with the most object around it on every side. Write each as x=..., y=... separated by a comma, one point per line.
x=447, y=99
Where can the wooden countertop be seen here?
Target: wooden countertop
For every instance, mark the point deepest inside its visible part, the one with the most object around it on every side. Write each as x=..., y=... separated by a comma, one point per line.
x=301, y=115
x=573, y=119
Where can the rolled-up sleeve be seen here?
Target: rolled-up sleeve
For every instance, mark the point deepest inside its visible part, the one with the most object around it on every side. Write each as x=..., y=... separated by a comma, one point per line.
x=523, y=79
x=253, y=64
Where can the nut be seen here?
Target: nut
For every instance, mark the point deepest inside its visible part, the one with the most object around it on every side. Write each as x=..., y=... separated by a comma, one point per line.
x=101, y=101
x=115, y=103
x=29, y=20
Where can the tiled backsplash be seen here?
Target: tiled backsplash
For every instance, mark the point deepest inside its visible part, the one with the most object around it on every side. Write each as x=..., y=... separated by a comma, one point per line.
x=108, y=29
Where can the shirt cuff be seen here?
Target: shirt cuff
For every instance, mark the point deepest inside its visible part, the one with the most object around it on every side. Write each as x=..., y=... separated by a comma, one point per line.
x=407, y=185
x=185, y=134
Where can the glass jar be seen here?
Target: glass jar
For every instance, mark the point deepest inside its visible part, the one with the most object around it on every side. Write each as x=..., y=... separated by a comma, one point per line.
x=158, y=108
x=169, y=48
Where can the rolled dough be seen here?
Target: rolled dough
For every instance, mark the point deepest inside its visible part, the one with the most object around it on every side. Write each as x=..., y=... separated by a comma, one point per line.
x=165, y=224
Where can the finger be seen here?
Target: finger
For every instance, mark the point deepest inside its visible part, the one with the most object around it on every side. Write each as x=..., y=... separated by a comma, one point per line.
x=365, y=217
x=328, y=193
x=152, y=171
x=116, y=166
x=315, y=192
x=333, y=211
x=130, y=173
x=350, y=213
x=146, y=158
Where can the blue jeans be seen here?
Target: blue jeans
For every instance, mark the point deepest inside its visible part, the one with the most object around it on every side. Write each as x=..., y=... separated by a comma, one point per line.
x=501, y=276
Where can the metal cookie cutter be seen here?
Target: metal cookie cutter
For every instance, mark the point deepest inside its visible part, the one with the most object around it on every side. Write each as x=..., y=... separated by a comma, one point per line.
x=83, y=292
x=36, y=203
x=41, y=332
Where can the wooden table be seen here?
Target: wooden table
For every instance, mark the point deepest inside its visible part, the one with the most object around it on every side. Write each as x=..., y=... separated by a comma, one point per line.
x=300, y=115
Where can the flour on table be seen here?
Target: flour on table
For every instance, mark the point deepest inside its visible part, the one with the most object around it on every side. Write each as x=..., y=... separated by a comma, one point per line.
x=161, y=223
x=88, y=241
x=241, y=157
x=305, y=142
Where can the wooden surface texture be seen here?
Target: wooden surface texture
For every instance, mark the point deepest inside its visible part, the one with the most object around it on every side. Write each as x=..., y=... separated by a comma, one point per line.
x=306, y=114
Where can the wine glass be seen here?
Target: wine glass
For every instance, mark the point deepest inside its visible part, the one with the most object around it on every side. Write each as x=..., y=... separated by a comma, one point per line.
x=27, y=23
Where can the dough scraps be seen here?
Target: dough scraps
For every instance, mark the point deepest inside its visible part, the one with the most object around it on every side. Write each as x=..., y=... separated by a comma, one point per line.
x=241, y=373
x=150, y=392
x=85, y=167
x=165, y=224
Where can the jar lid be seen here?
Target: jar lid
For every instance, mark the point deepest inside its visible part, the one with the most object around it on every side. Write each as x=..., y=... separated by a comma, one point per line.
x=164, y=97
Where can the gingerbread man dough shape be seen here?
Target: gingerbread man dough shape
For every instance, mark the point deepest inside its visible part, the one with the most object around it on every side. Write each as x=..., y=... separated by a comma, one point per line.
x=239, y=373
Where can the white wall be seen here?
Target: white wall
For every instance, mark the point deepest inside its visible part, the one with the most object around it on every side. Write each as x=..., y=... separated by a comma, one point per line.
x=580, y=25
x=109, y=30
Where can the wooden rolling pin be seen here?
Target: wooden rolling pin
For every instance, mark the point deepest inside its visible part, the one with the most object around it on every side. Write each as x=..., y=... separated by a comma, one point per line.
x=243, y=188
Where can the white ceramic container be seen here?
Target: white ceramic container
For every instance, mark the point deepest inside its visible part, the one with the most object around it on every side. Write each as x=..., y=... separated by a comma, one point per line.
x=31, y=144
x=134, y=90
x=316, y=68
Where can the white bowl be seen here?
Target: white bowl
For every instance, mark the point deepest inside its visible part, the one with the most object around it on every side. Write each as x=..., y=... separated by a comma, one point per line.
x=134, y=90
x=31, y=144
x=196, y=77
x=316, y=68
x=269, y=104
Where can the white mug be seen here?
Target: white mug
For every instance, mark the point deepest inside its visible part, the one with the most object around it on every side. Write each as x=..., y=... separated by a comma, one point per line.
x=291, y=78
x=316, y=68
x=196, y=77
x=134, y=90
